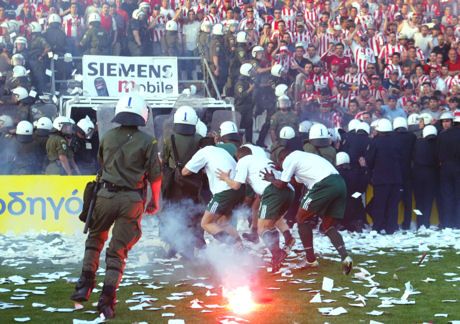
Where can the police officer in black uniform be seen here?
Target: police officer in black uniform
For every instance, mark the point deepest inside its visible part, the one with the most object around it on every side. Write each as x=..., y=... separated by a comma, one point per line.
x=25, y=150
x=244, y=99
x=383, y=159
x=57, y=40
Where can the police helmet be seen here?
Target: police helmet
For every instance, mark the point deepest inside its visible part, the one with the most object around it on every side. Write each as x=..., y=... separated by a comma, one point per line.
x=54, y=18
x=342, y=158
x=363, y=127
x=229, y=130
x=6, y=121
x=144, y=6
x=277, y=70
x=334, y=135
x=131, y=110
x=19, y=71
x=21, y=93
x=206, y=26
x=17, y=59
x=383, y=126
x=20, y=40
x=400, y=122
x=171, y=25
x=245, y=69
x=218, y=29
x=446, y=115
x=319, y=135
x=287, y=132
x=11, y=25
x=201, y=128
x=35, y=27
x=24, y=131
x=412, y=122
x=256, y=50
x=304, y=127
x=429, y=130
x=86, y=126
x=63, y=124
x=427, y=118
x=241, y=37
x=281, y=89
x=94, y=17
x=353, y=125
x=283, y=102
x=185, y=120
x=43, y=125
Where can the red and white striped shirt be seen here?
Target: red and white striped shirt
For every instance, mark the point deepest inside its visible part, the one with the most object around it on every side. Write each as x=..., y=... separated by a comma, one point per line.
x=73, y=25
x=324, y=80
x=376, y=43
x=363, y=56
x=311, y=18
x=344, y=101
x=389, y=69
x=355, y=80
x=288, y=15
x=404, y=101
x=202, y=6
x=284, y=60
x=159, y=30
x=212, y=19
x=378, y=93
x=388, y=50
x=323, y=42
x=304, y=38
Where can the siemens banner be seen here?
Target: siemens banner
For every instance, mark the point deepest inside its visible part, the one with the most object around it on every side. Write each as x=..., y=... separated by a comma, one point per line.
x=113, y=76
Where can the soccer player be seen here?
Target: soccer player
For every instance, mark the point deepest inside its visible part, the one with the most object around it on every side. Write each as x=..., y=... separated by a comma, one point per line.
x=326, y=197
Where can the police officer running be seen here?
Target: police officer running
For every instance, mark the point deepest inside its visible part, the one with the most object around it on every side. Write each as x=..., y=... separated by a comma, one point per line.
x=128, y=156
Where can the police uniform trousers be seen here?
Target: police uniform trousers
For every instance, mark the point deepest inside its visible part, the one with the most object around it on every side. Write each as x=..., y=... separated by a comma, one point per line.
x=450, y=194
x=122, y=210
x=425, y=189
x=384, y=207
x=406, y=198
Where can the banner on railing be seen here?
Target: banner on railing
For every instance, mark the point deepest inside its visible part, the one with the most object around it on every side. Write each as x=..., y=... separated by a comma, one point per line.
x=41, y=203
x=113, y=76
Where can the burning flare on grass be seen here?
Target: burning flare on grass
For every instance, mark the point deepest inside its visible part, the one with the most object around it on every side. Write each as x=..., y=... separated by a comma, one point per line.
x=240, y=300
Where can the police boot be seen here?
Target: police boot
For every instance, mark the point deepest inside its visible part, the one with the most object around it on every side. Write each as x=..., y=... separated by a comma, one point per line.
x=84, y=287
x=106, y=304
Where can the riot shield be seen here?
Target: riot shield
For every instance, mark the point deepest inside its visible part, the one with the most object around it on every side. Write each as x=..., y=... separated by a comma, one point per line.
x=39, y=110
x=105, y=114
x=219, y=116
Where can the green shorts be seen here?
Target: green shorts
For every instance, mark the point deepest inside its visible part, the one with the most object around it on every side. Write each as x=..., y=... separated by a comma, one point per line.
x=249, y=192
x=327, y=197
x=223, y=202
x=275, y=202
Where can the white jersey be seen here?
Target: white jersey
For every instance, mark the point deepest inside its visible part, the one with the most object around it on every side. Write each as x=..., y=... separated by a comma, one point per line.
x=248, y=171
x=212, y=158
x=307, y=168
x=257, y=150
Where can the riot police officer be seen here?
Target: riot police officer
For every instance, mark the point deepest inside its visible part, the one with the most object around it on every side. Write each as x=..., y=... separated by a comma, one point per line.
x=171, y=39
x=138, y=35
x=128, y=156
x=25, y=159
x=356, y=141
x=319, y=143
x=38, y=56
x=6, y=137
x=43, y=127
x=20, y=97
x=203, y=40
x=407, y=141
x=95, y=41
x=57, y=40
x=283, y=117
x=244, y=99
x=84, y=148
x=17, y=78
x=60, y=155
x=237, y=58
x=383, y=159
x=218, y=56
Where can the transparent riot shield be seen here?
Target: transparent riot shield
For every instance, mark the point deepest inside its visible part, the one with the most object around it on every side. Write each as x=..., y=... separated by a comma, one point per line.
x=39, y=110
x=105, y=114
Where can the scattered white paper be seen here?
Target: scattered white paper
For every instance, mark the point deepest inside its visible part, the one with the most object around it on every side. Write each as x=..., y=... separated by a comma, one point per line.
x=33, y=93
x=418, y=212
x=22, y=319
x=441, y=315
x=167, y=314
x=375, y=313
x=316, y=299
x=48, y=72
x=356, y=195
x=176, y=321
x=50, y=54
x=328, y=284
x=428, y=279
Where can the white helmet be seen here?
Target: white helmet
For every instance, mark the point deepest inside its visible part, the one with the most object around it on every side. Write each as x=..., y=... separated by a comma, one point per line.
x=227, y=128
x=54, y=18
x=20, y=40
x=87, y=126
x=21, y=92
x=11, y=25
x=318, y=131
x=6, y=121
x=35, y=27
x=427, y=118
x=206, y=26
x=281, y=89
x=24, y=128
x=218, y=29
x=363, y=126
x=429, y=130
x=144, y=5
x=400, y=122
x=446, y=115
x=456, y=118
x=44, y=123
x=277, y=70
x=383, y=126
x=353, y=125
x=256, y=50
x=241, y=37
x=171, y=25
x=245, y=69
x=185, y=120
x=201, y=128
x=304, y=127
x=131, y=110
x=19, y=71
x=342, y=158
x=287, y=132
x=94, y=17
x=334, y=134
x=413, y=119
x=60, y=121
x=17, y=59
x=283, y=102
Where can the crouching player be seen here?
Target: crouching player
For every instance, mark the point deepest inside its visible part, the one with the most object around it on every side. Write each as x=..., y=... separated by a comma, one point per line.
x=274, y=201
x=326, y=197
